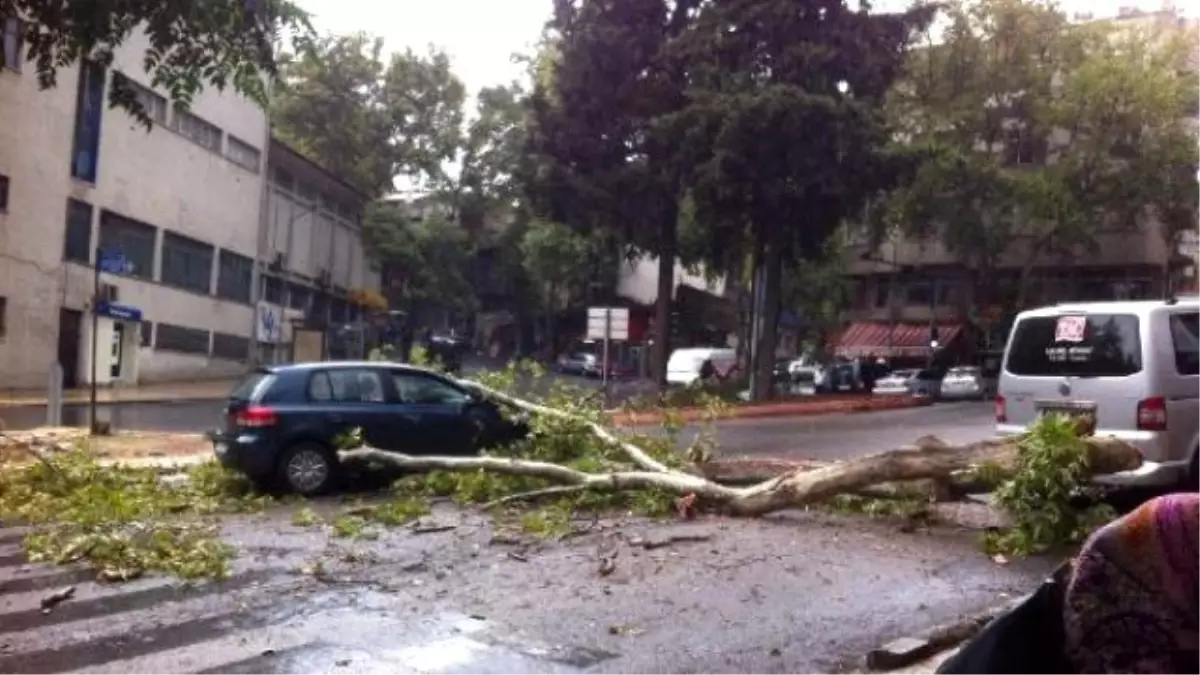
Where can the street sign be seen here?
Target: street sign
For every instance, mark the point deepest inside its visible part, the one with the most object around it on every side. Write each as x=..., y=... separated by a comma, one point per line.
x=114, y=262
x=608, y=323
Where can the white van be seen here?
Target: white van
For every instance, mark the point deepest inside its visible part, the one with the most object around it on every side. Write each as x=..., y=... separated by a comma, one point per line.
x=1133, y=364
x=683, y=368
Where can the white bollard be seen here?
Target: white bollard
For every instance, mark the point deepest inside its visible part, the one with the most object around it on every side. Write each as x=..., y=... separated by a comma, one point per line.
x=54, y=396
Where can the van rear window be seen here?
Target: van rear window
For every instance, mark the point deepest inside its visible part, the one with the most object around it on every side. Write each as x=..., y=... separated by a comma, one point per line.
x=1185, y=334
x=1092, y=345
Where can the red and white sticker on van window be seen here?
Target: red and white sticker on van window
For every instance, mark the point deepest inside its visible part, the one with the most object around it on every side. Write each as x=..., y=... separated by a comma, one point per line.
x=1070, y=329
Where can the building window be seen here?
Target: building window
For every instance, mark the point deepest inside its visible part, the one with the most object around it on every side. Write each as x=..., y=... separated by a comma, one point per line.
x=186, y=263
x=3, y=316
x=146, y=333
x=297, y=297
x=13, y=43
x=320, y=307
x=918, y=293
x=883, y=289
x=131, y=239
x=200, y=132
x=154, y=105
x=338, y=311
x=243, y=154
x=234, y=274
x=181, y=339
x=284, y=179
x=3, y=193
x=273, y=290
x=233, y=347
x=88, y=106
x=77, y=244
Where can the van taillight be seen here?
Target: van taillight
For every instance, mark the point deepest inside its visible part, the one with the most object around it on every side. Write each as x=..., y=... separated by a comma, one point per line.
x=1001, y=410
x=256, y=416
x=1152, y=414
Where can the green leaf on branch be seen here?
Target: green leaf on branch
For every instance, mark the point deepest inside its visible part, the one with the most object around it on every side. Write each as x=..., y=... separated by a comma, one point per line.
x=1040, y=497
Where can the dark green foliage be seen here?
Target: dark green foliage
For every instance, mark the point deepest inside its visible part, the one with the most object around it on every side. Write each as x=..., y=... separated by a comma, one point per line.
x=192, y=45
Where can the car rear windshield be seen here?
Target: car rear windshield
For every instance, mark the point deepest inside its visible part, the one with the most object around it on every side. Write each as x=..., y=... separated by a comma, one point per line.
x=246, y=387
x=1092, y=345
x=1185, y=335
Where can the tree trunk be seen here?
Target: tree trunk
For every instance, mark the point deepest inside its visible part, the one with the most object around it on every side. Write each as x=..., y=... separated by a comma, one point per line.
x=667, y=253
x=548, y=335
x=764, y=352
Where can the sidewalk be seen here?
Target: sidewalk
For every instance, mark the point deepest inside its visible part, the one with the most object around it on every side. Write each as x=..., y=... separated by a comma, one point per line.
x=204, y=390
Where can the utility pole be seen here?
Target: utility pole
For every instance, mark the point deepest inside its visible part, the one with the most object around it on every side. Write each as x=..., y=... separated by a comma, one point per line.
x=95, y=422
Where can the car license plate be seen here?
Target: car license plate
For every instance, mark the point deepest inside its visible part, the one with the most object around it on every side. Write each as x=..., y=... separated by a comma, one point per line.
x=1069, y=408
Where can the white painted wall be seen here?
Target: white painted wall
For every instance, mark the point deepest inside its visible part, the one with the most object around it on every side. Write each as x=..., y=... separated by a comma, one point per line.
x=638, y=280
x=158, y=177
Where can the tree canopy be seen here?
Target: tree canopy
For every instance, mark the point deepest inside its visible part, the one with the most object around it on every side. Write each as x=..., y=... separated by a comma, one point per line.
x=782, y=135
x=367, y=119
x=217, y=43
x=605, y=162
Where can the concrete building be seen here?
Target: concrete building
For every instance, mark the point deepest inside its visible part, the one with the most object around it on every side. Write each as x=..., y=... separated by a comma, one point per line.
x=315, y=269
x=178, y=214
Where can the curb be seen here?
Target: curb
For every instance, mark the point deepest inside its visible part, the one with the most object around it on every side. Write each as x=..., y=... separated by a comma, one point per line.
x=908, y=650
x=831, y=406
x=73, y=400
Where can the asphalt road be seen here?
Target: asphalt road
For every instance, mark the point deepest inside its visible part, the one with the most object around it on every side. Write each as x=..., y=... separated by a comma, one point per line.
x=796, y=593
x=825, y=437
x=855, y=434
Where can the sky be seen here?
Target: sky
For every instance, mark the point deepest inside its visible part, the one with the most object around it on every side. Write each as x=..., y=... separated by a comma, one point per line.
x=481, y=35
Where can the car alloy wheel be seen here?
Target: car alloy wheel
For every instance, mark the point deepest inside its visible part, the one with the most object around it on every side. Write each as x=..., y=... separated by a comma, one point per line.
x=307, y=470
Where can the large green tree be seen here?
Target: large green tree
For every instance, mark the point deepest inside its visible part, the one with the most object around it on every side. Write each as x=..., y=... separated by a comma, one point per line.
x=370, y=118
x=605, y=83
x=1043, y=133
x=783, y=131
x=217, y=43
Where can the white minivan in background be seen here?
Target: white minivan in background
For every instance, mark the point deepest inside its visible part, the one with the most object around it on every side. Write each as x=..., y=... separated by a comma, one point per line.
x=683, y=367
x=1133, y=364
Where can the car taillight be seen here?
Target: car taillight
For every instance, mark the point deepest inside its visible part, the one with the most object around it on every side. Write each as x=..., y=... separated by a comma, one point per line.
x=256, y=416
x=1001, y=410
x=1152, y=414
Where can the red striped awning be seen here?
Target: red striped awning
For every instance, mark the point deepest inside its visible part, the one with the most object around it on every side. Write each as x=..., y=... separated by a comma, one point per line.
x=868, y=339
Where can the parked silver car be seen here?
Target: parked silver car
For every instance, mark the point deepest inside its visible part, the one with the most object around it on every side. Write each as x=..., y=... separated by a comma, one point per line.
x=1132, y=365
x=967, y=382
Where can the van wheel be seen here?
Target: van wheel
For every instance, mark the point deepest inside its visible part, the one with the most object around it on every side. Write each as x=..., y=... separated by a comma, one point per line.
x=308, y=469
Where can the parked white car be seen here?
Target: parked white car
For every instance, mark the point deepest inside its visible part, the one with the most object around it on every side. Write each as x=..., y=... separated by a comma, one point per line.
x=914, y=382
x=895, y=382
x=964, y=382
x=684, y=365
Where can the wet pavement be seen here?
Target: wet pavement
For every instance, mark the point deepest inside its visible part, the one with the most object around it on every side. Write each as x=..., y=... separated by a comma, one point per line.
x=798, y=592
x=824, y=437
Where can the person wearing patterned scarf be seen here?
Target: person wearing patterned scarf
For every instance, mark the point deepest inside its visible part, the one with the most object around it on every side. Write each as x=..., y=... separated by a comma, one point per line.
x=1132, y=602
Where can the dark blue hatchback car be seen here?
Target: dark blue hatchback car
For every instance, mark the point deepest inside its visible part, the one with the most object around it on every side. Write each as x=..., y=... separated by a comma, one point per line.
x=281, y=422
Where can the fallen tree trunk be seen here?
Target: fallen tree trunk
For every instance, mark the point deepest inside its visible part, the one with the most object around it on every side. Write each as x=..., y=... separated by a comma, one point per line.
x=928, y=459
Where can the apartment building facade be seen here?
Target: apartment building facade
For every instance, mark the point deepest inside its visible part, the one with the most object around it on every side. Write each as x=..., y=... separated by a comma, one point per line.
x=315, y=271
x=174, y=214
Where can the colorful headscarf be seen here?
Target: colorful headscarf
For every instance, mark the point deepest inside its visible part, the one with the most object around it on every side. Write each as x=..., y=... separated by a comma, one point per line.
x=1133, y=599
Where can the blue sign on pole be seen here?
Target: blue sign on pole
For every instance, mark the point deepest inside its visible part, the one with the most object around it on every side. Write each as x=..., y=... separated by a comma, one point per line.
x=114, y=262
x=119, y=312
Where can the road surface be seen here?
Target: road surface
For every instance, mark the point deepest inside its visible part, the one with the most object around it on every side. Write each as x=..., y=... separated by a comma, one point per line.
x=855, y=434
x=797, y=593
x=824, y=437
